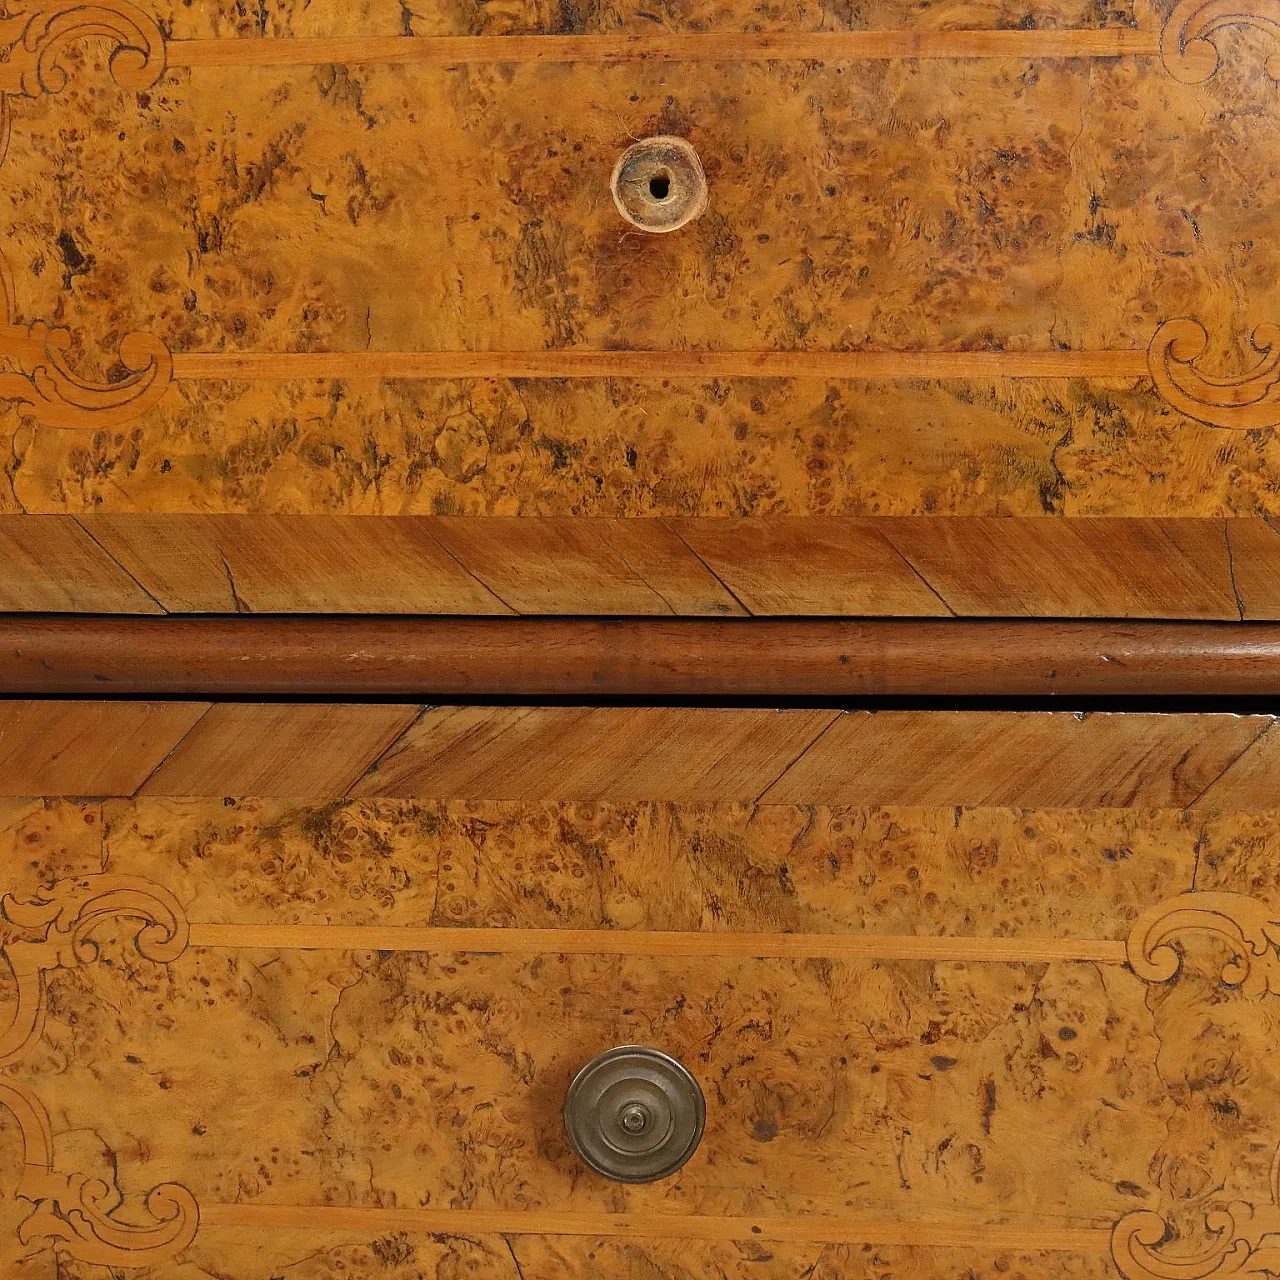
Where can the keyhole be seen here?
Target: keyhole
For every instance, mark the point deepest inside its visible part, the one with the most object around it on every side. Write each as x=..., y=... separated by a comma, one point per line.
x=658, y=184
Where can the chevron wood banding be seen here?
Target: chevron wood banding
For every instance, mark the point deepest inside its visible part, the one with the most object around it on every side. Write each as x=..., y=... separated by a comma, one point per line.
x=88, y=748
x=765, y=566
x=523, y=754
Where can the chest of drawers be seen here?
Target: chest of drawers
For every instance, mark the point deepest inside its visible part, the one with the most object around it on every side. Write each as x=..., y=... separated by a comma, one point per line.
x=496, y=311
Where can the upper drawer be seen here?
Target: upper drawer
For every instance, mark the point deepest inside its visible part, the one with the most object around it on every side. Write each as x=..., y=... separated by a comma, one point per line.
x=956, y=262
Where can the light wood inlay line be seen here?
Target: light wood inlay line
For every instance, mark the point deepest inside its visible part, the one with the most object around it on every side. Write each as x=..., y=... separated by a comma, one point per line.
x=820, y=1230
x=629, y=942
x=688, y=47
x=284, y=366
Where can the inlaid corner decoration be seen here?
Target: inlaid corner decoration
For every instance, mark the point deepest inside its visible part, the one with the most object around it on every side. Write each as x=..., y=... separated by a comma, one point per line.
x=1189, y=53
x=386, y=1028
x=35, y=34
x=73, y=1213
x=1244, y=1235
x=1243, y=403
x=39, y=361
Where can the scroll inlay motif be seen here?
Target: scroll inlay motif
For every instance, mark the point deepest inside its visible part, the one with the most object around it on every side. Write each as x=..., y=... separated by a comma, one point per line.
x=1191, y=56
x=1247, y=1236
x=39, y=378
x=75, y=1213
x=1245, y=402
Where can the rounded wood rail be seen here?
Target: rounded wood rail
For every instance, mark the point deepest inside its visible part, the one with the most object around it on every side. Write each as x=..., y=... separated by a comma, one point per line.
x=332, y=657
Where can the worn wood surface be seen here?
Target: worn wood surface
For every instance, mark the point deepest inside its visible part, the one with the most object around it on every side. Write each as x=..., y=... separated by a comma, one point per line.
x=831, y=565
x=939, y=1036
x=607, y=754
x=779, y=659
x=962, y=260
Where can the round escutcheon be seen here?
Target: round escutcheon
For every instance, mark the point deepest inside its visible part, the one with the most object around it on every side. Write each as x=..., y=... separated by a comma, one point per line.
x=634, y=1114
x=659, y=184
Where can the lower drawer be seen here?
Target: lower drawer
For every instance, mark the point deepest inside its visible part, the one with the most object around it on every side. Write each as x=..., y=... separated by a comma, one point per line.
x=299, y=992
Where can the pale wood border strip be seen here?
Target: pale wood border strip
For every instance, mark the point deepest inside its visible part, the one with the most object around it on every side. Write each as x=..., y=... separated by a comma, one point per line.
x=801, y=1230
x=834, y=46
x=289, y=366
x=656, y=943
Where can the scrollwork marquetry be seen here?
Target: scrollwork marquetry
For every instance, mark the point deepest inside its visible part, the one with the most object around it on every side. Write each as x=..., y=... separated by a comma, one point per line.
x=1243, y=923
x=41, y=381
x=34, y=34
x=1246, y=1237
x=1245, y=402
x=1247, y=1244
x=74, y=1213
x=1189, y=54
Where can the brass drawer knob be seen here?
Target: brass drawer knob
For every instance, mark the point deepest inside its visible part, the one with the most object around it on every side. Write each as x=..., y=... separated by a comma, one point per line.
x=634, y=1114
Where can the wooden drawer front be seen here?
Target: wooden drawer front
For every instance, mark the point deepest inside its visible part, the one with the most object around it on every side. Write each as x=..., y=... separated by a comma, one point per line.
x=936, y=1038
x=973, y=279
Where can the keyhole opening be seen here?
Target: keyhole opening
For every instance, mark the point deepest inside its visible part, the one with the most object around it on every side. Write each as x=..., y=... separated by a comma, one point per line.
x=660, y=186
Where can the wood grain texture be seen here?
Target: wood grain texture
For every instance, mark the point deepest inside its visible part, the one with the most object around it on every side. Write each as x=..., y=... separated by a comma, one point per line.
x=225, y=19
x=51, y=564
x=587, y=567
x=864, y=566
x=600, y=753
x=87, y=748
x=293, y=749
x=981, y=238
x=796, y=566
x=984, y=758
x=450, y=51
x=607, y=942
x=711, y=873
x=621, y=754
x=459, y=659
x=929, y=284
x=335, y=1034
x=1045, y=244
x=278, y=564
x=1081, y=567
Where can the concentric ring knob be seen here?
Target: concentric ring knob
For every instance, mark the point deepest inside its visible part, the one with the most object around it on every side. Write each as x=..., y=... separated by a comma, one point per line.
x=634, y=1114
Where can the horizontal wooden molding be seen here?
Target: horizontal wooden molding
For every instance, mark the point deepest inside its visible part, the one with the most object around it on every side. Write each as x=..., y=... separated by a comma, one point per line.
x=676, y=566
x=806, y=1230
x=288, y=366
x=321, y=752
x=753, y=46
x=629, y=942
x=459, y=658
